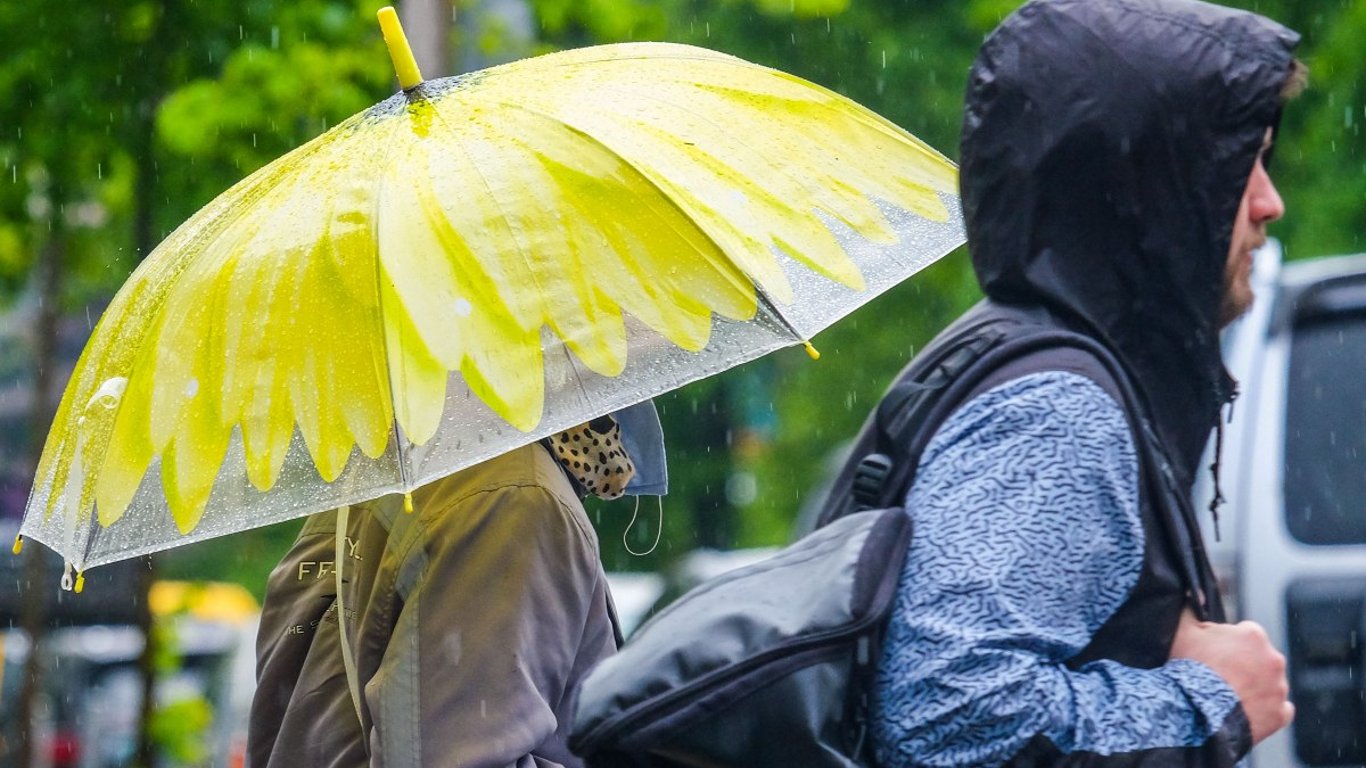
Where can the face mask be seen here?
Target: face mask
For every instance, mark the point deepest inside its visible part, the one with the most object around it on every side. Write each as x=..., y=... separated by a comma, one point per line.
x=593, y=454
x=644, y=441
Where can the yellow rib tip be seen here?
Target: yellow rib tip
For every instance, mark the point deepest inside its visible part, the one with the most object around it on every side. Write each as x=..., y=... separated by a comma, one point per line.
x=18, y=544
x=80, y=582
x=405, y=66
x=408, y=503
x=811, y=351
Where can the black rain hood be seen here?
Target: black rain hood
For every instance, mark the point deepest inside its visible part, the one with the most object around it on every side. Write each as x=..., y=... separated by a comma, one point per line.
x=1106, y=147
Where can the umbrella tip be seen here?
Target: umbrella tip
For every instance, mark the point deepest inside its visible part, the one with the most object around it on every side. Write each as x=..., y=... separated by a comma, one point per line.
x=18, y=544
x=408, y=503
x=405, y=66
x=80, y=582
x=811, y=350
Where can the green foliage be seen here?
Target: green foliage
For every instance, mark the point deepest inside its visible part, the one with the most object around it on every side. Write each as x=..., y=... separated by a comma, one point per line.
x=319, y=63
x=180, y=730
x=802, y=8
x=984, y=15
x=590, y=22
x=244, y=558
x=75, y=120
x=15, y=258
x=1320, y=157
x=265, y=103
x=167, y=657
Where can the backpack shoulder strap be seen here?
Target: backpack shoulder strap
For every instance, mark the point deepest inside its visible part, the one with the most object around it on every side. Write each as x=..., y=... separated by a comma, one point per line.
x=1009, y=351
x=916, y=406
x=884, y=455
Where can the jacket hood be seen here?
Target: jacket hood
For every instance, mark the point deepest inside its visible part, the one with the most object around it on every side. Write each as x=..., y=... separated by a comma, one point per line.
x=1106, y=147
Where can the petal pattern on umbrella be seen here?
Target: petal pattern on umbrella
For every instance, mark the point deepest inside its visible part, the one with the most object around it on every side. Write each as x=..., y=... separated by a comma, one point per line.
x=453, y=229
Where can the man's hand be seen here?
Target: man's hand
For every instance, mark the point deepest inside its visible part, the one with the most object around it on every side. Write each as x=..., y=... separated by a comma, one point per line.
x=1243, y=656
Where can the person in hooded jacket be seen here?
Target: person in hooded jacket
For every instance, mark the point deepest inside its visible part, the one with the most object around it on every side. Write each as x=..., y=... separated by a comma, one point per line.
x=1114, y=184
x=469, y=619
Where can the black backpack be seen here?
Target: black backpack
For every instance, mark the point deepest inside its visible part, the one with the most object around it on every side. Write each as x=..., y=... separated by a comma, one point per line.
x=773, y=664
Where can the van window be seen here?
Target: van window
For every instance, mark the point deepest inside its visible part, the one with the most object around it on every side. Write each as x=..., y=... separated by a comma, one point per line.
x=1325, y=431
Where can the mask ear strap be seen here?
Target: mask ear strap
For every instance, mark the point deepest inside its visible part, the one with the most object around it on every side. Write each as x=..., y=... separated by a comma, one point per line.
x=625, y=540
x=348, y=658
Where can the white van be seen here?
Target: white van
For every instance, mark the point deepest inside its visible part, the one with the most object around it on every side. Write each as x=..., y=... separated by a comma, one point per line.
x=1291, y=550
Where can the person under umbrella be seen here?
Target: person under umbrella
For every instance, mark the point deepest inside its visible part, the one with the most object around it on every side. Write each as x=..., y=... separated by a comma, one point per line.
x=468, y=622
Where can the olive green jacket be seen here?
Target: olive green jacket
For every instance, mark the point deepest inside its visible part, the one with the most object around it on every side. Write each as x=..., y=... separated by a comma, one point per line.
x=471, y=620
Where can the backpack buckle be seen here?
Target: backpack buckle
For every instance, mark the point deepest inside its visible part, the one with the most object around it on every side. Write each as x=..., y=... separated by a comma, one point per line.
x=869, y=479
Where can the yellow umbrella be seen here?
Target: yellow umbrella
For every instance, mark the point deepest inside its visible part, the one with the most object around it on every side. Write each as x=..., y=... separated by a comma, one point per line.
x=472, y=264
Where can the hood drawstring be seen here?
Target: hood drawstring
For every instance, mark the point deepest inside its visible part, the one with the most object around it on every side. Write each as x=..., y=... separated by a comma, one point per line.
x=1218, y=499
x=348, y=655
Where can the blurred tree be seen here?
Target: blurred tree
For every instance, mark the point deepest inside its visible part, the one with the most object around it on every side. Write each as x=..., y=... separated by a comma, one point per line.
x=307, y=66
x=67, y=172
x=575, y=23
x=86, y=172
x=1320, y=159
x=427, y=24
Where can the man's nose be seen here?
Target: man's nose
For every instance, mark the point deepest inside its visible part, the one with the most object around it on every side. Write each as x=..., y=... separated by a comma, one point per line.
x=1266, y=203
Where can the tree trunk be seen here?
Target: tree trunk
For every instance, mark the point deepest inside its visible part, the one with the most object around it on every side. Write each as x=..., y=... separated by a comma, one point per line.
x=427, y=23
x=48, y=273
x=144, y=240
x=146, y=756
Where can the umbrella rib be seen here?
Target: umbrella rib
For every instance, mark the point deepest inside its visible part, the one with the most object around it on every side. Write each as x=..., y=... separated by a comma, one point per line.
x=864, y=118
x=383, y=335
x=737, y=135
x=502, y=210
x=763, y=295
x=578, y=379
x=782, y=319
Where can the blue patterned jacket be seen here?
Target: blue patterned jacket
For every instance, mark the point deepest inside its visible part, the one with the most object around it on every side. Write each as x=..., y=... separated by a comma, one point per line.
x=1029, y=539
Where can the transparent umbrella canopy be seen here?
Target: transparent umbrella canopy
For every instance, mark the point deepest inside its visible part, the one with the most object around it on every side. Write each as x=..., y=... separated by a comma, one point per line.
x=466, y=267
